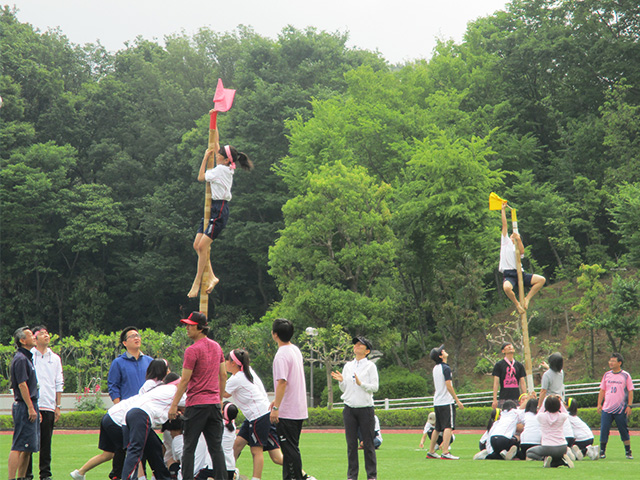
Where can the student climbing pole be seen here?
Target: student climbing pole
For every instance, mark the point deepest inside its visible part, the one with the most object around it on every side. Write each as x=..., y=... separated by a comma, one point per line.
x=219, y=180
x=511, y=252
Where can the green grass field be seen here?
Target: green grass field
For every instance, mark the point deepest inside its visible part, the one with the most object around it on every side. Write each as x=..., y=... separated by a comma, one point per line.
x=324, y=456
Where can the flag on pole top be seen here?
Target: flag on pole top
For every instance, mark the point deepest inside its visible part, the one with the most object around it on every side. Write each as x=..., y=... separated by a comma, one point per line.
x=223, y=98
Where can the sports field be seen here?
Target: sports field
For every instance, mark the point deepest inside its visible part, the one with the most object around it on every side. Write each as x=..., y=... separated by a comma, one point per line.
x=324, y=456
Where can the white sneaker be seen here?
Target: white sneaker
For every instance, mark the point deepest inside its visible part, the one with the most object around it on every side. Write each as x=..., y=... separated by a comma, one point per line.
x=547, y=462
x=508, y=455
x=577, y=452
x=570, y=454
x=567, y=461
x=481, y=455
x=433, y=455
x=448, y=456
x=76, y=475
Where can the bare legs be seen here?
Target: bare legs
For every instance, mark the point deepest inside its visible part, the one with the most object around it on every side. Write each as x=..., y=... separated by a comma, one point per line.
x=258, y=455
x=95, y=461
x=537, y=282
x=201, y=245
x=18, y=462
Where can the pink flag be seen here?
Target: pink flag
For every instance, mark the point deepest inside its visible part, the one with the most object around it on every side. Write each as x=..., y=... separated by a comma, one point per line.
x=223, y=99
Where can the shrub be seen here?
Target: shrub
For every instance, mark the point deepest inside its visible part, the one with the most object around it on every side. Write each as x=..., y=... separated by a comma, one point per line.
x=398, y=382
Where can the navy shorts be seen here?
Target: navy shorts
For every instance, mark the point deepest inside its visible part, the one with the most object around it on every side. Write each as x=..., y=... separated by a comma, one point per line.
x=110, y=439
x=260, y=433
x=217, y=219
x=26, y=434
x=445, y=417
x=511, y=276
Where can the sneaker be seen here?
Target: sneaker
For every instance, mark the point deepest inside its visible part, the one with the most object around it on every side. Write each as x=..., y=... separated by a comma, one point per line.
x=509, y=454
x=448, y=456
x=547, y=462
x=593, y=452
x=432, y=455
x=76, y=475
x=629, y=455
x=603, y=455
x=570, y=454
x=567, y=461
x=481, y=455
x=577, y=452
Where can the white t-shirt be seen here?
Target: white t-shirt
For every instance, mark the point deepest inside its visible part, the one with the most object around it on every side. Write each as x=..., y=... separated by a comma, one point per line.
x=581, y=430
x=201, y=457
x=507, y=255
x=250, y=398
x=228, y=438
x=531, y=434
x=506, y=424
x=148, y=385
x=288, y=365
x=221, y=180
x=441, y=374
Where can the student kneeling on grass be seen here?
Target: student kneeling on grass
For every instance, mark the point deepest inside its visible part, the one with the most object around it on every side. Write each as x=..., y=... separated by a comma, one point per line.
x=553, y=448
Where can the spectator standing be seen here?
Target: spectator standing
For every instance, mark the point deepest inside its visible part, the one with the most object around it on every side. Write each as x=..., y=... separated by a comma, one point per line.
x=51, y=383
x=614, y=403
x=126, y=376
x=359, y=381
x=444, y=404
x=508, y=377
x=289, y=409
x=25, y=406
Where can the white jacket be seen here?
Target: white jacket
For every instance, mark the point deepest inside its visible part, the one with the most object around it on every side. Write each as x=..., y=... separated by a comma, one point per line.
x=50, y=380
x=358, y=396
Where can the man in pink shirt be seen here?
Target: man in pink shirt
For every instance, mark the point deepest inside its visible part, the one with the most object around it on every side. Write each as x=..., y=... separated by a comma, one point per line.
x=616, y=389
x=204, y=376
x=289, y=409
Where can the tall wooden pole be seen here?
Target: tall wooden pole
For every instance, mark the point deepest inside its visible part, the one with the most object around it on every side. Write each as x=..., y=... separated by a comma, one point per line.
x=528, y=365
x=204, y=296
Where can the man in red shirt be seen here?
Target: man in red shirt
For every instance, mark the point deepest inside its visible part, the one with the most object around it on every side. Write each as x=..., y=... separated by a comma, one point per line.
x=204, y=376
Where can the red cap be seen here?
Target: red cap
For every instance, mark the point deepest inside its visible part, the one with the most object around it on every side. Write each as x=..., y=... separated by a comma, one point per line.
x=196, y=318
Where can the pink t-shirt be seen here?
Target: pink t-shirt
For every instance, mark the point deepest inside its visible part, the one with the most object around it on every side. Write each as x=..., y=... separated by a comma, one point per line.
x=616, y=388
x=203, y=358
x=288, y=365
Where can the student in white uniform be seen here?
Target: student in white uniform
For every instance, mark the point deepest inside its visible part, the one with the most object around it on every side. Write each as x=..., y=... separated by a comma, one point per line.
x=247, y=392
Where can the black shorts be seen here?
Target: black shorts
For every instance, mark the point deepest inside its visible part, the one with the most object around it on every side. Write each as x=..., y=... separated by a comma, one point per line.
x=260, y=433
x=217, y=219
x=110, y=439
x=445, y=417
x=511, y=276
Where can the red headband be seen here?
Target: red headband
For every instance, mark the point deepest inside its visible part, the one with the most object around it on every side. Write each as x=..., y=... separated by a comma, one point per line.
x=232, y=164
x=236, y=361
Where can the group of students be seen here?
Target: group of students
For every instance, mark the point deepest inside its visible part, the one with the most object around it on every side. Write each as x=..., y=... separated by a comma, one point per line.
x=554, y=433
x=130, y=423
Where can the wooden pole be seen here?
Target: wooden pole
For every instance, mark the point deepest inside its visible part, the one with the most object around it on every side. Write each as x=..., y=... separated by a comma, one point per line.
x=204, y=296
x=528, y=365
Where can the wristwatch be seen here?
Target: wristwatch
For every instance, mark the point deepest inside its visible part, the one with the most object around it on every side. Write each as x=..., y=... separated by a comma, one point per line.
x=275, y=408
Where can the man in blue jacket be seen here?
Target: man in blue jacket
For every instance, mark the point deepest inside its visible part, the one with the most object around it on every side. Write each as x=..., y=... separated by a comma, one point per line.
x=126, y=376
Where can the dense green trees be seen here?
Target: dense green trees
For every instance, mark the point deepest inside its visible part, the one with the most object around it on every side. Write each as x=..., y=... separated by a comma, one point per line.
x=367, y=206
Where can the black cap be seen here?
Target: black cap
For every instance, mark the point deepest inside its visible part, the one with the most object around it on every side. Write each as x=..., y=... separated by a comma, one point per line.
x=436, y=352
x=363, y=340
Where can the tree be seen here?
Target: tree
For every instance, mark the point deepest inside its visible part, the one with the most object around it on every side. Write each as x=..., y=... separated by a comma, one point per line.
x=622, y=323
x=592, y=305
x=332, y=347
x=334, y=259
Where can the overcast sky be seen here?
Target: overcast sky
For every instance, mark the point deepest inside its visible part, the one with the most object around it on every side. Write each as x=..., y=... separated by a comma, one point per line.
x=400, y=29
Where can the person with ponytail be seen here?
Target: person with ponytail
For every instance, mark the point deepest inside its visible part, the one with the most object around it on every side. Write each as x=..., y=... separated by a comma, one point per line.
x=220, y=178
x=229, y=414
x=156, y=371
x=248, y=393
